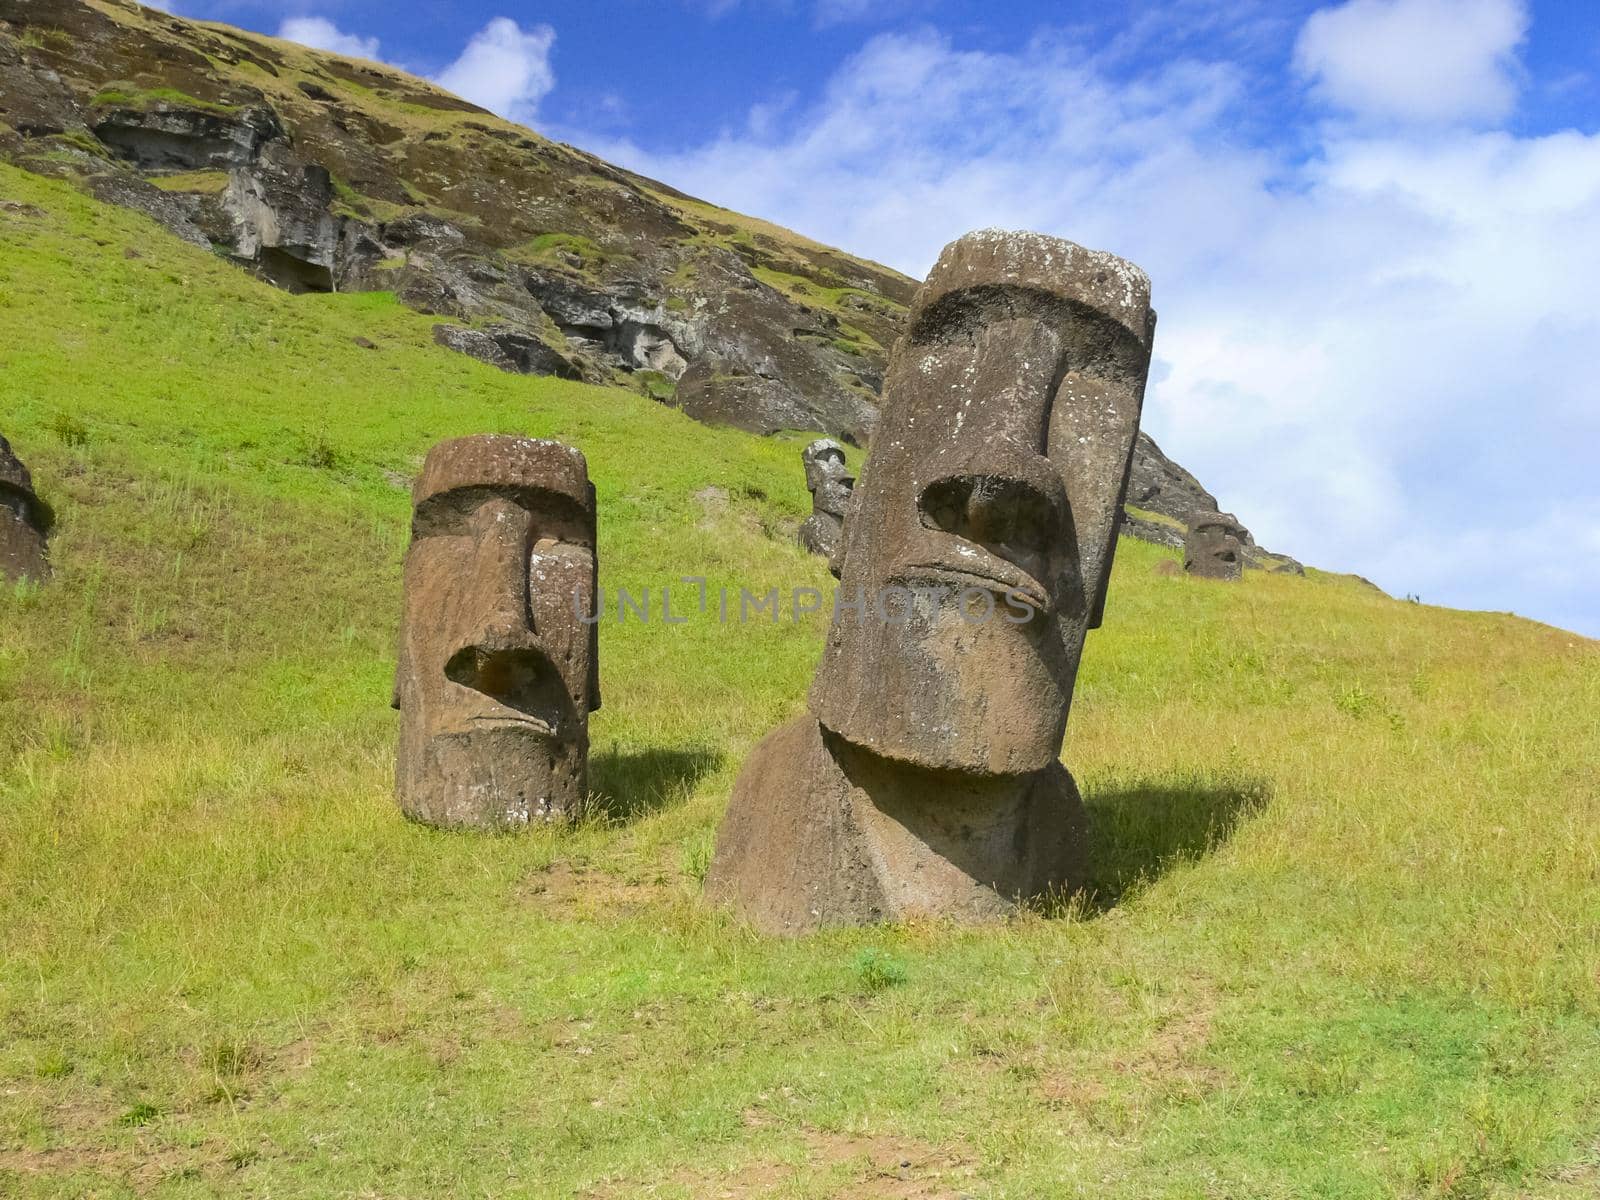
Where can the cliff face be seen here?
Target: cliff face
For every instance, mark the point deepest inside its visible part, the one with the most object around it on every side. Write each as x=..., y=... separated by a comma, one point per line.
x=325, y=173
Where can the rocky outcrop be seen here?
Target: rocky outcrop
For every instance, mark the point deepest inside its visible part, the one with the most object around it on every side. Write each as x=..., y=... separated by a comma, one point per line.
x=278, y=208
x=507, y=349
x=183, y=137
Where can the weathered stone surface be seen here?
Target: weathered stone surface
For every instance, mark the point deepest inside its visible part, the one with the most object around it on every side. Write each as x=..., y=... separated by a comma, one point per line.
x=1214, y=548
x=980, y=542
x=830, y=483
x=24, y=522
x=130, y=191
x=498, y=670
x=509, y=349
x=1159, y=485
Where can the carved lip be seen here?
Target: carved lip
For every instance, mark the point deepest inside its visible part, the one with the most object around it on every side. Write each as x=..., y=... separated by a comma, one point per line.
x=984, y=571
x=513, y=721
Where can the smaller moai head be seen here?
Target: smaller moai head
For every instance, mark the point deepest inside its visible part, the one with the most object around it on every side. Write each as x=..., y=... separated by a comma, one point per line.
x=830, y=484
x=1214, y=547
x=498, y=666
x=827, y=477
x=25, y=522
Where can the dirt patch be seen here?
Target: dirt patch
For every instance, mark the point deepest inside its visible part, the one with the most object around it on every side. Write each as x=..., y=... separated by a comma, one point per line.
x=576, y=887
x=139, y=1167
x=1164, y=1063
x=863, y=1166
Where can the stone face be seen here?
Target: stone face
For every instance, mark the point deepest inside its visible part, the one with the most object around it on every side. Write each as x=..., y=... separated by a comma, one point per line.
x=24, y=522
x=1009, y=415
x=925, y=779
x=830, y=483
x=498, y=669
x=1215, y=547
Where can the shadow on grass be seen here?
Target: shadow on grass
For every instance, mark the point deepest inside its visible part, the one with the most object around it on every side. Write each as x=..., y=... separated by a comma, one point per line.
x=625, y=785
x=1139, y=833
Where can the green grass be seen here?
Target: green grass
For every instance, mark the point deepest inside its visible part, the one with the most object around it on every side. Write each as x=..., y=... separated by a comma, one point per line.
x=1145, y=514
x=1342, y=943
x=202, y=182
x=559, y=249
x=129, y=96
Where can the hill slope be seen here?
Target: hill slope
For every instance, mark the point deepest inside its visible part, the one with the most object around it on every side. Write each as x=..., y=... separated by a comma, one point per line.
x=1343, y=939
x=322, y=173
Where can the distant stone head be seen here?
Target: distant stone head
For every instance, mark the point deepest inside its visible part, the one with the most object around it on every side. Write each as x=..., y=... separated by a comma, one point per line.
x=830, y=483
x=498, y=669
x=1215, y=547
x=25, y=522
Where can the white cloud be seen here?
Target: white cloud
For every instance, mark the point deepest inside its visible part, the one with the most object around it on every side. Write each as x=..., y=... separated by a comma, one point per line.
x=1380, y=355
x=1415, y=60
x=505, y=68
x=322, y=34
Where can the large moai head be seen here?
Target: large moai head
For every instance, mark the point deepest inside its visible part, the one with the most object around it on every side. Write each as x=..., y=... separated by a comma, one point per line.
x=994, y=488
x=1214, y=547
x=498, y=668
x=24, y=523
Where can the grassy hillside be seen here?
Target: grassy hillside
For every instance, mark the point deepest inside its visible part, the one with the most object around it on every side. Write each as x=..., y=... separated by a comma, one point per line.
x=1343, y=943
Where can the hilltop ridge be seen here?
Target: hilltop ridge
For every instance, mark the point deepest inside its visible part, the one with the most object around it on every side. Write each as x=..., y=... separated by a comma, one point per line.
x=325, y=173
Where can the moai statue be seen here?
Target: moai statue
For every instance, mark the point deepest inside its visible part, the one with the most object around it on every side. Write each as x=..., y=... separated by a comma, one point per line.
x=24, y=523
x=830, y=484
x=925, y=777
x=499, y=655
x=1214, y=547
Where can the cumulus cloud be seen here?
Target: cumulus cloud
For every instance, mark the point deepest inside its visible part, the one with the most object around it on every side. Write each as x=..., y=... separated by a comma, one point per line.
x=1378, y=354
x=824, y=13
x=505, y=68
x=1415, y=60
x=322, y=34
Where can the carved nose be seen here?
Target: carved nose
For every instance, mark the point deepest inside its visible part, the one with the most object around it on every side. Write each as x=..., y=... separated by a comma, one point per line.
x=503, y=615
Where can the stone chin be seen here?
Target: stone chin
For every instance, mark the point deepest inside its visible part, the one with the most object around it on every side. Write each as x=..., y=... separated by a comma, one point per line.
x=946, y=692
x=504, y=776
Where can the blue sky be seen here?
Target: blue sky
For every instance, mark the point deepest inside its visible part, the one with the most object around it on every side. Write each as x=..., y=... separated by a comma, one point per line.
x=1373, y=226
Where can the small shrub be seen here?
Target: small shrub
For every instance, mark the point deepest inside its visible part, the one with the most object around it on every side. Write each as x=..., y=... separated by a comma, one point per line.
x=319, y=454
x=877, y=970
x=53, y=1065
x=229, y=1058
x=140, y=1114
x=58, y=40
x=1355, y=701
x=697, y=856
x=69, y=429
x=657, y=385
